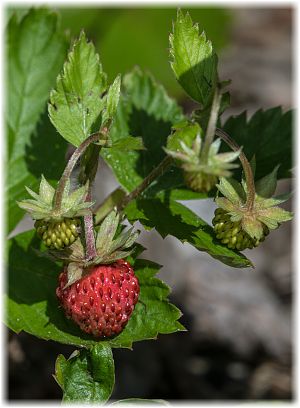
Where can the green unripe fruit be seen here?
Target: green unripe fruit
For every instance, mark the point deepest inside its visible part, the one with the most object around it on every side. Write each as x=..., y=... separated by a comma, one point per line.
x=200, y=182
x=60, y=234
x=231, y=233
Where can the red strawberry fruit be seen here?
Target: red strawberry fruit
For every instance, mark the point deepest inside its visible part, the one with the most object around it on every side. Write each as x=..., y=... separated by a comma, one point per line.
x=102, y=301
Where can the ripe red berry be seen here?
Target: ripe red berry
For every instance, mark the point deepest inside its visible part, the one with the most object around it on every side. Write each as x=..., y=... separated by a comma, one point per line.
x=101, y=302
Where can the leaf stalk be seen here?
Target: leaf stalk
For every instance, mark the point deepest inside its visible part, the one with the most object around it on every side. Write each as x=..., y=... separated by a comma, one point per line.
x=246, y=167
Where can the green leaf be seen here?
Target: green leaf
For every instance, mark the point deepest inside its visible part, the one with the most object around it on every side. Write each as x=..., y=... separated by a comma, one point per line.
x=124, y=43
x=145, y=111
x=128, y=143
x=186, y=135
x=76, y=103
x=35, y=50
x=194, y=61
x=32, y=305
x=172, y=218
x=267, y=135
x=112, y=100
x=87, y=376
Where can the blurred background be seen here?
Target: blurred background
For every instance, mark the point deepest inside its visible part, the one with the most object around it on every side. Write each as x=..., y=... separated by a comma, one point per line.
x=239, y=340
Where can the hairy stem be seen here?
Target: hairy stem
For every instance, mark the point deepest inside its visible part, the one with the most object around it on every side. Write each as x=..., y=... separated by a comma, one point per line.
x=246, y=167
x=156, y=172
x=211, y=127
x=71, y=164
x=90, y=244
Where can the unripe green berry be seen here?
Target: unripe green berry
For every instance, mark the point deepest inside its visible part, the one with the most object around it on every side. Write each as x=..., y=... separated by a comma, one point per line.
x=199, y=181
x=231, y=233
x=58, y=234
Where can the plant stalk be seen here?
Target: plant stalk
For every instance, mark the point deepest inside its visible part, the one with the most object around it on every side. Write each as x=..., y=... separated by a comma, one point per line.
x=90, y=244
x=212, y=123
x=156, y=172
x=246, y=167
x=71, y=164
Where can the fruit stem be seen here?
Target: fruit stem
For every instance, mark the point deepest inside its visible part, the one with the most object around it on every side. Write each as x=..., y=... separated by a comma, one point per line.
x=246, y=167
x=117, y=199
x=211, y=127
x=71, y=164
x=90, y=244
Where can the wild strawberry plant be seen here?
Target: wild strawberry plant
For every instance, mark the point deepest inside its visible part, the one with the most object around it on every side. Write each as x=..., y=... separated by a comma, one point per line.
x=78, y=277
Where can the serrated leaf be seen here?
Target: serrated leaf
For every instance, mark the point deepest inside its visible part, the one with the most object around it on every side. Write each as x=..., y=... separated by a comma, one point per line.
x=172, y=218
x=35, y=50
x=112, y=100
x=194, y=61
x=76, y=102
x=268, y=135
x=146, y=111
x=32, y=305
x=88, y=376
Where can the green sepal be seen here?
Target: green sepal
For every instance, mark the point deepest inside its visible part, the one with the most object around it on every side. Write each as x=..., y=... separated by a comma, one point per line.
x=112, y=243
x=42, y=205
x=263, y=210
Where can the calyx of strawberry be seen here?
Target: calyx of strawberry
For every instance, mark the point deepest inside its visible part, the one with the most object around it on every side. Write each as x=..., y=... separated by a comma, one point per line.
x=264, y=210
x=42, y=206
x=111, y=245
x=201, y=172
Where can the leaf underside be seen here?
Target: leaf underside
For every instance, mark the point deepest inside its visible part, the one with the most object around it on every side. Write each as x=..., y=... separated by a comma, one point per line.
x=173, y=218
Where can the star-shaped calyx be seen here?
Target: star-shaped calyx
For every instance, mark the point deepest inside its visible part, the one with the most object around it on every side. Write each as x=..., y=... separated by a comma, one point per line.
x=240, y=224
x=112, y=241
x=57, y=224
x=201, y=172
